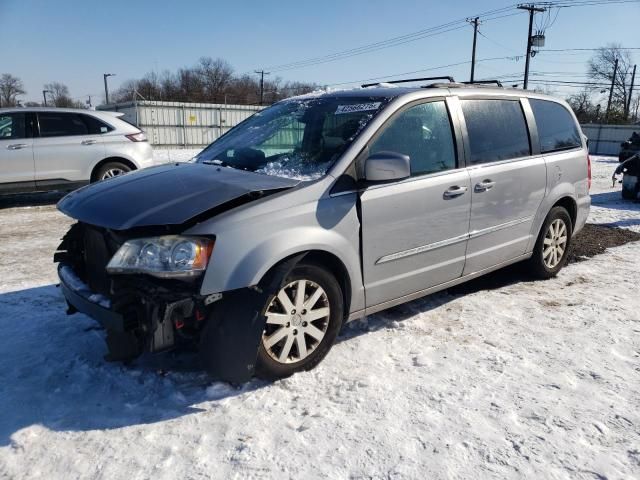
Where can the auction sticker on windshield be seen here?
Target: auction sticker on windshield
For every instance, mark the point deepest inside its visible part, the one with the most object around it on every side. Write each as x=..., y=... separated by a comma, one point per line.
x=357, y=107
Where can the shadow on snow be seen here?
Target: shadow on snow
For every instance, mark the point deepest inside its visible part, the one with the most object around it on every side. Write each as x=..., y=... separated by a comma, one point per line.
x=53, y=372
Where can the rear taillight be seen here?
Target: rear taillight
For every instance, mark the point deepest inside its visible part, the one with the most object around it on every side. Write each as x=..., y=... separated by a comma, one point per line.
x=588, y=172
x=137, y=137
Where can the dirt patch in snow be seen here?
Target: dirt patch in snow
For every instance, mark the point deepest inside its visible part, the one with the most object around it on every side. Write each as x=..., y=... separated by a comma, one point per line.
x=595, y=239
x=592, y=240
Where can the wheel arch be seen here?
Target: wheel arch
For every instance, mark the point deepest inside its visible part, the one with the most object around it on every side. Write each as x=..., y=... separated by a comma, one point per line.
x=570, y=205
x=562, y=195
x=104, y=161
x=323, y=259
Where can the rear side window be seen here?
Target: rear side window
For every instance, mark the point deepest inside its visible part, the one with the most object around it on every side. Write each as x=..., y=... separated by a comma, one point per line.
x=557, y=129
x=12, y=126
x=54, y=124
x=422, y=132
x=497, y=130
x=95, y=126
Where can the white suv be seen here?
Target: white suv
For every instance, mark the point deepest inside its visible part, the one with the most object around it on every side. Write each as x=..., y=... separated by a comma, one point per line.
x=62, y=149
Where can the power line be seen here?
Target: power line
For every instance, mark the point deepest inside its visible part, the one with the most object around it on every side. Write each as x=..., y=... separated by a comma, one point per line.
x=432, y=31
x=343, y=56
x=585, y=3
x=496, y=43
x=439, y=67
x=394, y=41
x=584, y=49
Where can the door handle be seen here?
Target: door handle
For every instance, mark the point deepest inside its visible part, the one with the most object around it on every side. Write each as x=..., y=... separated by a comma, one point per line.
x=455, y=191
x=484, y=185
x=17, y=146
x=88, y=142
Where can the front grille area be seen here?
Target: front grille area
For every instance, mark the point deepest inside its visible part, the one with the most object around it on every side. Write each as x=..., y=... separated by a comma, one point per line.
x=96, y=257
x=87, y=250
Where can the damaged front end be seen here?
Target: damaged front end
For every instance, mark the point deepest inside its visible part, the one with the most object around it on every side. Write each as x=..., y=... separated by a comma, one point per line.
x=139, y=312
x=127, y=264
x=142, y=313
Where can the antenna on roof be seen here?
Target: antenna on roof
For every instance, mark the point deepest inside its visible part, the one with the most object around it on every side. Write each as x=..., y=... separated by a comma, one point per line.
x=410, y=80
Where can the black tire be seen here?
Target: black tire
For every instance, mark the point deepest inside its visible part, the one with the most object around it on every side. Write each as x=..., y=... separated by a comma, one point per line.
x=537, y=264
x=110, y=167
x=271, y=369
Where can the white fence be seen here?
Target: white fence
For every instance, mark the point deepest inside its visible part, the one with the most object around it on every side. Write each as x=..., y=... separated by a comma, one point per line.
x=182, y=125
x=606, y=139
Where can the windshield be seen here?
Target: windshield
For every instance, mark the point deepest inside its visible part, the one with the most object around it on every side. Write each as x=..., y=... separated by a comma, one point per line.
x=300, y=138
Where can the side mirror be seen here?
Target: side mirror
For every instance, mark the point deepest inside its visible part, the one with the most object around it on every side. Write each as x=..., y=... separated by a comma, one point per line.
x=386, y=166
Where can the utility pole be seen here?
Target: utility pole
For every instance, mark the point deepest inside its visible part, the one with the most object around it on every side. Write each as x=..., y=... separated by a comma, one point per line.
x=474, y=22
x=262, y=73
x=628, y=106
x=532, y=9
x=44, y=96
x=613, y=82
x=106, y=88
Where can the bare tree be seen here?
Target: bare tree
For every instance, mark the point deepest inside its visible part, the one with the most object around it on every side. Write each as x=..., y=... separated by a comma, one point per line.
x=634, y=114
x=10, y=88
x=59, y=95
x=210, y=80
x=583, y=106
x=215, y=75
x=600, y=68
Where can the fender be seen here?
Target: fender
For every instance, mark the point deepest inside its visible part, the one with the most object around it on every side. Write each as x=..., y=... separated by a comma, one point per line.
x=246, y=248
x=255, y=264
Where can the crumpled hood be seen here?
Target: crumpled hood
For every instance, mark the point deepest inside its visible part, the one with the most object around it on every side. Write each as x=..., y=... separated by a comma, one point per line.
x=164, y=195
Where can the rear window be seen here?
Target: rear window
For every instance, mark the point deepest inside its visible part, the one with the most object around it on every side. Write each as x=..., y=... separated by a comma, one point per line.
x=95, y=126
x=54, y=124
x=497, y=130
x=557, y=129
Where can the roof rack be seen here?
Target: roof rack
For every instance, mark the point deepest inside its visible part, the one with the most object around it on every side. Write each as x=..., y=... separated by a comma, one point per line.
x=481, y=82
x=410, y=80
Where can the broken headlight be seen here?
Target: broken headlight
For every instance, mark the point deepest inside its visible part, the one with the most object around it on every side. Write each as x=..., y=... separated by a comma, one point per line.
x=166, y=256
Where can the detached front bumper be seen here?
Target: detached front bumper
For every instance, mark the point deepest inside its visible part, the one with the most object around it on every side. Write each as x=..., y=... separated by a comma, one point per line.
x=80, y=297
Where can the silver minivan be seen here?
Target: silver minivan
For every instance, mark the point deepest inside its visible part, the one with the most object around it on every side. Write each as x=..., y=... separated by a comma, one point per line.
x=319, y=210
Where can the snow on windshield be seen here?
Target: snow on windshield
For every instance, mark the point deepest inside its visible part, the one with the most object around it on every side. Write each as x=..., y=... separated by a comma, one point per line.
x=295, y=167
x=301, y=166
x=299, y=139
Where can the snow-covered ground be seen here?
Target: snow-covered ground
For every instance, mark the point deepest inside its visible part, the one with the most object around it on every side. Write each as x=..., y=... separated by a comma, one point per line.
x=174, y=155
x=527, y=380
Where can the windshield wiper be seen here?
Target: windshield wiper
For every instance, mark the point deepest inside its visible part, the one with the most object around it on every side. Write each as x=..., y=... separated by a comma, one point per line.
x=218, y=163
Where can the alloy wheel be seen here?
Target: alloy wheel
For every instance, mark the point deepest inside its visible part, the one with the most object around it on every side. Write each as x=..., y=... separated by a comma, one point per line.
x=112, y=172
x=554, y=244
x=297, y=321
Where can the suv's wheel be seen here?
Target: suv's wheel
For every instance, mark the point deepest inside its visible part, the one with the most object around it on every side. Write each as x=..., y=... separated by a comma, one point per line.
x=303, y=320
x=552, y=246
x=111, y=169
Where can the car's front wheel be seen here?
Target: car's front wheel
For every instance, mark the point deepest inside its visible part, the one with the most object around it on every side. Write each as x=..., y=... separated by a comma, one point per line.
x=303, y=320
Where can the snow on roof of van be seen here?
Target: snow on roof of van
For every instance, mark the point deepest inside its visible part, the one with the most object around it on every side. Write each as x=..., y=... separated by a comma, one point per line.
x=380, y=90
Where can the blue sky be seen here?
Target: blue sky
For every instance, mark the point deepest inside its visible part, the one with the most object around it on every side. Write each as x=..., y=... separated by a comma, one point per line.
x=74, y=42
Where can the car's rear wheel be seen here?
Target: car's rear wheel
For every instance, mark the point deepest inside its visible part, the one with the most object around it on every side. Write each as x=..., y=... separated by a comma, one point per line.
x=111, y=169
x=303, y=321
x=552, y=246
